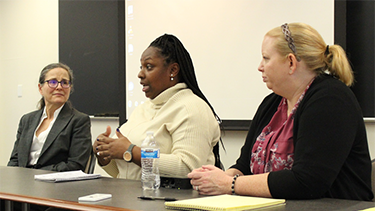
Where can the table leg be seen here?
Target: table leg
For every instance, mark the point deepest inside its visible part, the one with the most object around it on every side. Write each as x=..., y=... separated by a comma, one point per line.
x=8, y=205
x=25, y=207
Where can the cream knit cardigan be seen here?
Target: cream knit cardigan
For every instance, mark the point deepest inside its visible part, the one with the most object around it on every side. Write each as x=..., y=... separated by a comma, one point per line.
x=184, y=127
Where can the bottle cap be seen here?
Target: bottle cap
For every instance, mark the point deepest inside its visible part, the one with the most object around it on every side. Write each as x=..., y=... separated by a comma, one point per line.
x=150, y=133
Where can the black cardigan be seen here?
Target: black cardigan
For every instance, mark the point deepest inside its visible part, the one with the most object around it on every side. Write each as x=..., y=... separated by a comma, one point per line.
x=331, y=156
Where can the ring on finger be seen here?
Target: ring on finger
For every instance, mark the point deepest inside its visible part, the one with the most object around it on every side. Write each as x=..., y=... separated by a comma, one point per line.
x=197, y=188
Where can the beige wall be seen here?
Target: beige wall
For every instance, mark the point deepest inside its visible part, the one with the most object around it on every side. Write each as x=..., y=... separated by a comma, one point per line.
x=28, y=42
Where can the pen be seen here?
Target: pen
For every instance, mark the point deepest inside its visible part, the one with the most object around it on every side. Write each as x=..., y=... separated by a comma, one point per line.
x=157, y=198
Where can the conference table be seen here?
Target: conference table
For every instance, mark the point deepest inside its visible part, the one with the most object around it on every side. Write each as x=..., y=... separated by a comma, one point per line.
x=18, y=184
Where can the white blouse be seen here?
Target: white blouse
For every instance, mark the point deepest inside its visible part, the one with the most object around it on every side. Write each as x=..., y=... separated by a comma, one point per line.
x=38, y=142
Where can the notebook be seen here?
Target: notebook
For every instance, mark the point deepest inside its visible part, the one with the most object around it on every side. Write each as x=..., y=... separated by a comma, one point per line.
x=369, y=209
x=223, y=202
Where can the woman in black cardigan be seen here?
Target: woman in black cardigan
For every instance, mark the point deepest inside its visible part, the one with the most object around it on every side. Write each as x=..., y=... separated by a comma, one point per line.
x=308, y=138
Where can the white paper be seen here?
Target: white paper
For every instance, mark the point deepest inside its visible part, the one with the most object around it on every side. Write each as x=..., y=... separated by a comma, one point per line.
x=66, y=176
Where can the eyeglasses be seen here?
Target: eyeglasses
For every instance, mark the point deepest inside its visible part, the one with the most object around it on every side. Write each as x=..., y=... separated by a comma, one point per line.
x=54, y=83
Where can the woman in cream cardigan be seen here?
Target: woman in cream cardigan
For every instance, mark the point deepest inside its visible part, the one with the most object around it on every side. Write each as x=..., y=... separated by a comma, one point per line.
x=184, y=123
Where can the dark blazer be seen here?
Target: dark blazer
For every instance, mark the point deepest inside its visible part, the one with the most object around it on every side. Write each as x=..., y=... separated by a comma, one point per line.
x=68, y=144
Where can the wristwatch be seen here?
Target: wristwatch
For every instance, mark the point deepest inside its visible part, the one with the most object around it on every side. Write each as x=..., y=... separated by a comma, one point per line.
x=128, y=156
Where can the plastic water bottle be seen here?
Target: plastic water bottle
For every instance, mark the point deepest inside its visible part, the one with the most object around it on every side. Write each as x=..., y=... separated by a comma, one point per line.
x=150, y=153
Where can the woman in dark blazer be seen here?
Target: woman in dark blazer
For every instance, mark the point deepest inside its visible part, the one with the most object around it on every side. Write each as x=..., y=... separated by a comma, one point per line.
x=56, y=137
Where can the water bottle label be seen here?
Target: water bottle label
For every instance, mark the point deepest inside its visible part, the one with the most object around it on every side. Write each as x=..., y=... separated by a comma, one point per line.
x=150, y=153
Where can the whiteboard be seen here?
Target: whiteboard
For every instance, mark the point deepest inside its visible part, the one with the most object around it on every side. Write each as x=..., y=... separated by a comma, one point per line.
x=224, y=40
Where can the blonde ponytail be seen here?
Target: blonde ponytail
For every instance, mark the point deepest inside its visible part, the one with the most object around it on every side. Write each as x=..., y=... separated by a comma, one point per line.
x=338, y=64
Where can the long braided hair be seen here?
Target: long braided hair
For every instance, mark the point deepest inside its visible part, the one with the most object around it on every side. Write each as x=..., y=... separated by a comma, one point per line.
x=173, y=50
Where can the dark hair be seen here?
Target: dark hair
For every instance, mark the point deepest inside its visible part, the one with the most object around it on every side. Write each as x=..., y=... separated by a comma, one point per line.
x=42, y=78
x=173, y=50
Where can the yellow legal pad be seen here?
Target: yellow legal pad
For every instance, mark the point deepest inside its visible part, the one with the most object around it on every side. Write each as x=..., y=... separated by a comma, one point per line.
x=223, y=202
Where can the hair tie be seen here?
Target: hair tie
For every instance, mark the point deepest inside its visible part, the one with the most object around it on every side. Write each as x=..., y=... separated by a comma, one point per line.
x=327, y=50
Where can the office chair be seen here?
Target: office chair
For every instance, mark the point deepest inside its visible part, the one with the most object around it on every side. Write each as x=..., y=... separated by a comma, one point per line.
x=218, y=162
x=90, y=166
x=373, y=177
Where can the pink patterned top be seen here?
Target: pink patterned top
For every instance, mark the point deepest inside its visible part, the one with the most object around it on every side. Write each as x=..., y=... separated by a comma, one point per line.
x=274, y=148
